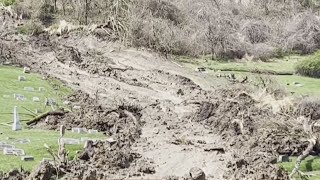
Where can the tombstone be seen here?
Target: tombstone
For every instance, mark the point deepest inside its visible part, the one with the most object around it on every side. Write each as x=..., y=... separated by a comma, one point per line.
x=19, y=97
x=28, y=88
x=21, y=78
x=24, y=141
x=92, y=131
x=42, y=89
x=27, y=158
x=13, y=151
x=283, y=158
x=50, y=102
x=36, y=99
x=79, y=130
x=16, y=121
x=3, y=146
x=26, y=70
x=70, y=141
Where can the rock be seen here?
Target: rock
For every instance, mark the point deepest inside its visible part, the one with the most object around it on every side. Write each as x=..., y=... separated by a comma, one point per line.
x=283, y=158
x=197, y=174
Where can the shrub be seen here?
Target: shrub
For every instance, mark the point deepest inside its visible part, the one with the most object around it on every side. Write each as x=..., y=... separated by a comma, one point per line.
x=32, y=28
x=8, y=2
x=310, y=66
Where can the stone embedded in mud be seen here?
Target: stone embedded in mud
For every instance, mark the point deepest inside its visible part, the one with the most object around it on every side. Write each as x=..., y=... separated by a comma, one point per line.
x=197, y=174
x=76, y=107
x=21, y=78
x=111, y=140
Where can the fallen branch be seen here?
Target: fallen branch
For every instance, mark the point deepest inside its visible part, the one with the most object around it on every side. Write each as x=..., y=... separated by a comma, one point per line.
x=44, y=115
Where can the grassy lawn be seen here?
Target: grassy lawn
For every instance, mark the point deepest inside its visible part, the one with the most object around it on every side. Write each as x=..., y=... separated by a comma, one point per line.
x=9, y=85
x=311, y=86
x=310, y=166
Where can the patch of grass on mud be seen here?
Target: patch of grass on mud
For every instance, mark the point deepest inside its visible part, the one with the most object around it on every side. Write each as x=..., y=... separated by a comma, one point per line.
x=311, y=166
x=310, y=86
x=9, y=85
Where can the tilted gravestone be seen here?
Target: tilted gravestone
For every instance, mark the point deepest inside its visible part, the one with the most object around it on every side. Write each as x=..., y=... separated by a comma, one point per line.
x=16, y=120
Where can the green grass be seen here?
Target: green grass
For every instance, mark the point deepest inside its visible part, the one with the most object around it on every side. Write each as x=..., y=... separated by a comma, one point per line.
x=9, y=85
x=311, y=86
x=7, y=2
x=311, y=165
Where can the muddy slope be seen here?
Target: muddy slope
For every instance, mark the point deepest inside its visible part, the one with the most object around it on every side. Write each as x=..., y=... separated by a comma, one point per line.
x=165, y=119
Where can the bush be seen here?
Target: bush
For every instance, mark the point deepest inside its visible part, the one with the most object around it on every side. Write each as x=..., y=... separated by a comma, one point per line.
x=8, y=2
x=31, y=28
x=310, y=66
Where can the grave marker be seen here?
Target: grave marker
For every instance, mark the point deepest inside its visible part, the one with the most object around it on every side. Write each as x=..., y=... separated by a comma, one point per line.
x=27, y=158
x=26, y=70
x=24, y=141
x=16, y=120
x=13, y=151
x=19, y=97
x=21, y=78
x=92, y=131
x=79, y=130
x=2, y=146
x=50, y=102
x=28, y=88
x=70, y=141
x=42, y=89
x=36, y=99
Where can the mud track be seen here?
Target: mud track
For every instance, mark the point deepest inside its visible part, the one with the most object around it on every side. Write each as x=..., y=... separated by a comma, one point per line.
x=165, y=119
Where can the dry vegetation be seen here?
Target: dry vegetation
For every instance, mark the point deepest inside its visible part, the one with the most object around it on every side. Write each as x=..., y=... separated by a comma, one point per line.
x=224, y=29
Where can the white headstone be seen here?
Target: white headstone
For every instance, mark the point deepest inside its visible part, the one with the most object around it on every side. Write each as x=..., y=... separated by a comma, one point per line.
x=36, y=99
x=79, y=130
x=92, y=131
x=16, y=121
x=26, y=70
x=2, y=146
